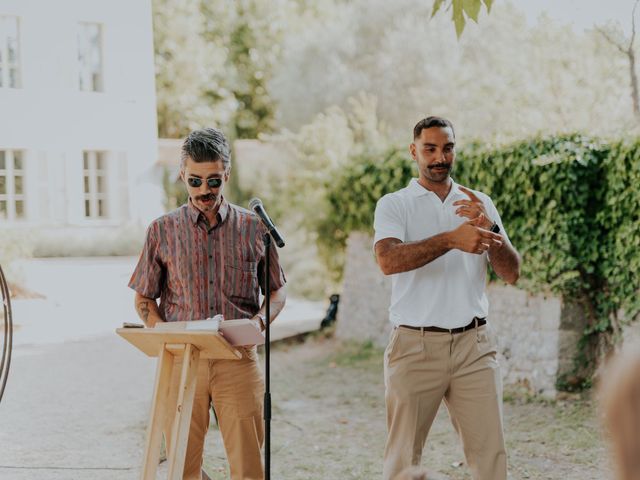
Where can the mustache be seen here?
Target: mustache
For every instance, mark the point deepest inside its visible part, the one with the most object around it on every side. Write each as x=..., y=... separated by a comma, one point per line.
x=440, y=165
x=208, y=196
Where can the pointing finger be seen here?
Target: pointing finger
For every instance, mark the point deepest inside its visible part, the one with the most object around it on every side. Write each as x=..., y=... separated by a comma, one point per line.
x=470, y=194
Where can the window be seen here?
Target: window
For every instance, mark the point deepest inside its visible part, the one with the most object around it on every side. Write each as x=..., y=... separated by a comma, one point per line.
x=11, y=185
x=95, y=184
x=9, y=53
x=90, y=57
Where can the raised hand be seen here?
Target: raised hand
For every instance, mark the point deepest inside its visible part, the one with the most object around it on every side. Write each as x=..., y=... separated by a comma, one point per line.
x=472, y=208
x=471, y=238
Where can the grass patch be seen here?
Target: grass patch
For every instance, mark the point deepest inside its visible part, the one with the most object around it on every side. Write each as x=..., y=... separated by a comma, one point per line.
x=517, y=394
x=357, y=355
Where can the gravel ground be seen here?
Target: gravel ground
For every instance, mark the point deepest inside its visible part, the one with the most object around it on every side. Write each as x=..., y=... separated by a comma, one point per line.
x=75, y=411
x=78, y=411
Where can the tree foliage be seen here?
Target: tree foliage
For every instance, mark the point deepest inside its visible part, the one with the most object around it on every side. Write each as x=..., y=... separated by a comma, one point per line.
x=626, y=47
x=316, y=157
x=502, y=80
x=252, y=66
x=187, y=68
x=250, y=32
x=214, y=60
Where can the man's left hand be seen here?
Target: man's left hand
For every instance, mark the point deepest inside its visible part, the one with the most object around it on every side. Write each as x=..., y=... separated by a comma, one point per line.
x=472, y=208
x=258, y=321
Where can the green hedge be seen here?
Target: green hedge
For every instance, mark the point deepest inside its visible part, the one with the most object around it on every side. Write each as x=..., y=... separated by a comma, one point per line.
x=570, y=204
x=619, y=222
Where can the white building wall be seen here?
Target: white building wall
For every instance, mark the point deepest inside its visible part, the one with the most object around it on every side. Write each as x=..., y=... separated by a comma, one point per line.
x=54, y=122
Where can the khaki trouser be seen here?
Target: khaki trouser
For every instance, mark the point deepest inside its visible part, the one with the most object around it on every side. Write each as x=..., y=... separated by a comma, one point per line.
x=423, y=368
x=236, y=389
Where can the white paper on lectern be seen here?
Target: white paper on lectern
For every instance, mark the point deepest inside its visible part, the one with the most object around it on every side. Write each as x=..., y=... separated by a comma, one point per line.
x=237, y=332
x=208, y=325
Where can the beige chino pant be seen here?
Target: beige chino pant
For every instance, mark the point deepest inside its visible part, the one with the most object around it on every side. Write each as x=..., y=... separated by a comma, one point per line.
x=423, y=368
x=236, y=389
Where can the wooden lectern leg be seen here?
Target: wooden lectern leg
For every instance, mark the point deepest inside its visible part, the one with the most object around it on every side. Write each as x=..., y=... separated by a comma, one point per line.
x=158, y=415
x=184, y=407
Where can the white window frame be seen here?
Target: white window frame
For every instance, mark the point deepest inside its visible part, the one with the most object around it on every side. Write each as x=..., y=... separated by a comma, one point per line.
x=9, y=172
x=90, y=175
x=95, y=79
x=6, y=65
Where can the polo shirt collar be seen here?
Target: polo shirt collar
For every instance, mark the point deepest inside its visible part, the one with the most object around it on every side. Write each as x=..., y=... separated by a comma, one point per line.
x=418, y=190
x=194, y=213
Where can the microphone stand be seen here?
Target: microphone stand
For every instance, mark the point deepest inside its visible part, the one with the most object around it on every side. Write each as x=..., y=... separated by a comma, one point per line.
x=267, y=385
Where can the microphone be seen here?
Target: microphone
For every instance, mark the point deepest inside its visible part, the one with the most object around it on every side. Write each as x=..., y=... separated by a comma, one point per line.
x=256, y=205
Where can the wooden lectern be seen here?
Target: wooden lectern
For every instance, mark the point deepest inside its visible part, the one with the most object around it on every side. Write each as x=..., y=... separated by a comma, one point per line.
x=166, y=345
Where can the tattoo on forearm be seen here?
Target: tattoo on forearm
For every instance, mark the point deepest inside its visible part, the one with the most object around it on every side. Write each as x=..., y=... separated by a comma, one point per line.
x=143, y=310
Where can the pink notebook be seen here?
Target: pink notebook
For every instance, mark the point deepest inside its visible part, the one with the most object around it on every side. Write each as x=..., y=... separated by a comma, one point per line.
x=241, y=332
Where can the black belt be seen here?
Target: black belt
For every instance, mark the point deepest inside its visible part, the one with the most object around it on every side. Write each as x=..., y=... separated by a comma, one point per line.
x=481, y=321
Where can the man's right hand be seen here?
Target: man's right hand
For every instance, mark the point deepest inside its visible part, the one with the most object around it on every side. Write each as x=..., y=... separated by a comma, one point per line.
x=470, y=238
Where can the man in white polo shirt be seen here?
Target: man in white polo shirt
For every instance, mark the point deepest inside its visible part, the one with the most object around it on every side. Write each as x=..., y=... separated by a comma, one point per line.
x=435, y=238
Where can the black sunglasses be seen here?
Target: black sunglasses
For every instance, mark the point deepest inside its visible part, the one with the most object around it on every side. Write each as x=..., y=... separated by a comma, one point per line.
x=211, y=182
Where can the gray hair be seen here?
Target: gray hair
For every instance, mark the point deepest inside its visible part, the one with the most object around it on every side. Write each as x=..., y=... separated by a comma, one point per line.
x=206, y=145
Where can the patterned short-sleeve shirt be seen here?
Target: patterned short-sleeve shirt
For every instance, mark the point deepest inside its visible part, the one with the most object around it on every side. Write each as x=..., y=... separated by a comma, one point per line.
x=198, y=271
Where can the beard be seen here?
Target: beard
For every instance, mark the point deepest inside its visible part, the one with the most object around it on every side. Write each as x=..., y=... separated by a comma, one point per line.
x=442, y=173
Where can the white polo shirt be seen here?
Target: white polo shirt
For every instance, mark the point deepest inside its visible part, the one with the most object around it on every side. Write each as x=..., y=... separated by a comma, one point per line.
x=449, y=291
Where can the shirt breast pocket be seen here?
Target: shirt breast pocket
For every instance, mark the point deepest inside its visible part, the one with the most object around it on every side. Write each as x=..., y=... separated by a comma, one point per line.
x=241, y=282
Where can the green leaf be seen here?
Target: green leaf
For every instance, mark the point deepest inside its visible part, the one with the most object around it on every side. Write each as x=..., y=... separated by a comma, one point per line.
x=472, y=8
x=458, y=17
x=488, y=3
x=436, y=6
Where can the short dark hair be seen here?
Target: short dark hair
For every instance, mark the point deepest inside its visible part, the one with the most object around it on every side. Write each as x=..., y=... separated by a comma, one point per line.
x=432, y=122
x=206, y=145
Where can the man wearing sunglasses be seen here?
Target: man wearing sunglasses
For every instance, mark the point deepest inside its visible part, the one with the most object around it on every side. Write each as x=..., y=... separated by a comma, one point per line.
x=207, y=258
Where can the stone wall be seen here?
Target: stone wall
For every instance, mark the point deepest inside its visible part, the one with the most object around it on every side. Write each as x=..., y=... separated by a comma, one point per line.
x=537, y=334
x=363, y=312
x=632, y=334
